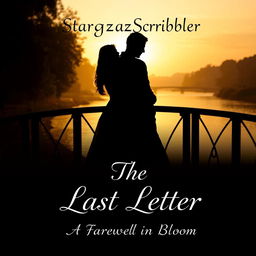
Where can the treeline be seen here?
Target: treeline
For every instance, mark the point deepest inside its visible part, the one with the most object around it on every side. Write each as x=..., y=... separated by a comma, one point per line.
x=233, y=79
x=85, y=78
x=83, y=90
x=39, y=58
x=205, y=77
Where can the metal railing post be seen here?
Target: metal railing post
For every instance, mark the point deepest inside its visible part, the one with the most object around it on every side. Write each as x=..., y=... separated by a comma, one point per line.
x=186, y=138
x=77, y=137
x=25, y=137
x=35, y=139
x=195, y=139
x=236, y=141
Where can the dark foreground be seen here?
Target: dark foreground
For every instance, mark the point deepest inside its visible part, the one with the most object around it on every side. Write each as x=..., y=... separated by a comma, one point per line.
x=182, y=207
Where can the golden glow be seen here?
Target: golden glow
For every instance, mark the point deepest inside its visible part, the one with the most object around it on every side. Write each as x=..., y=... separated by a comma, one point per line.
x=147, y=56
x=227, y=30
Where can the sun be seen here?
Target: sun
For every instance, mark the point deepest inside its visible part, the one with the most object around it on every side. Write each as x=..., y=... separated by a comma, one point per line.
x=147, y=56
x=120, y=44
x=92, y=49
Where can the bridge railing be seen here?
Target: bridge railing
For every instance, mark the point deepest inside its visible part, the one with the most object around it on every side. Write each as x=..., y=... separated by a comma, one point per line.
x=190, y=120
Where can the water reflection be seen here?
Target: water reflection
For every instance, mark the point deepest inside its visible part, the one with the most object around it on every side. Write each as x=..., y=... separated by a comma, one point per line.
x=167, y=121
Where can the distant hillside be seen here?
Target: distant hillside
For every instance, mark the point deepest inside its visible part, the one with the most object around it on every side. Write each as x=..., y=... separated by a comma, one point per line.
x=232, y=79
x=167, y=81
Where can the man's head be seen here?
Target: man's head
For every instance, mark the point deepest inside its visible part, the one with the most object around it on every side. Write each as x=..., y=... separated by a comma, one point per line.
x=136, y=44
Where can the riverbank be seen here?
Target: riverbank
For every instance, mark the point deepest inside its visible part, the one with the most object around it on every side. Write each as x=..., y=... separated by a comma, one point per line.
x=66, y=101
x=248, y=94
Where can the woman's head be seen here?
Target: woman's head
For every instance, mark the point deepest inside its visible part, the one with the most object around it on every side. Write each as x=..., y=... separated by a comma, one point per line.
x=107, y=61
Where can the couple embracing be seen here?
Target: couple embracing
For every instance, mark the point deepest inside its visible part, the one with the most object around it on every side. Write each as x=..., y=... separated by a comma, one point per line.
x=126, y=130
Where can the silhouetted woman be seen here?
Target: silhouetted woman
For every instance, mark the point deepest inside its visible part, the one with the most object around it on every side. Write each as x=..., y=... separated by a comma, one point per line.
x=102, y=151
x=106, y=69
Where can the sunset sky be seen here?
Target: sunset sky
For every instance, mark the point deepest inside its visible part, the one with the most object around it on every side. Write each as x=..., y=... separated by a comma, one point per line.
x=227, y=30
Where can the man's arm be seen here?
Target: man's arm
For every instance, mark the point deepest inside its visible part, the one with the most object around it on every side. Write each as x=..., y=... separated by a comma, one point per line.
x=146, y=84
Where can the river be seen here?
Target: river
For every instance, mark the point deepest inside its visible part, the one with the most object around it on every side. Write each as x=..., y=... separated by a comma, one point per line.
x=167, y=121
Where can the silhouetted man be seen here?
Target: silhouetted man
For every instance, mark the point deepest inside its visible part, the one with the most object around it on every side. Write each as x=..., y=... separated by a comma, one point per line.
x=133, y=86
x=136, y=126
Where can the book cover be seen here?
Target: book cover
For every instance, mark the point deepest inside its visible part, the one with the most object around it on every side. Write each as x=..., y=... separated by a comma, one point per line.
x=127, y=121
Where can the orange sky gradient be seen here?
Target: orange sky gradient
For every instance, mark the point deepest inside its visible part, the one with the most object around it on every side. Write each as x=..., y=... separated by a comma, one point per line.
x=227, y=31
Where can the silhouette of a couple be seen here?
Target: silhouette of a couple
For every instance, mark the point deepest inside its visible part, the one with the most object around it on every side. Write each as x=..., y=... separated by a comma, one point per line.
x=126, y=130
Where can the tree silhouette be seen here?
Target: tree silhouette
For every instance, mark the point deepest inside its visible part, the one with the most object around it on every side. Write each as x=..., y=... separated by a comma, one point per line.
x=85, y=75
x=247, y=75
x=40, y=57
x=229, y=74
x=205, y=77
